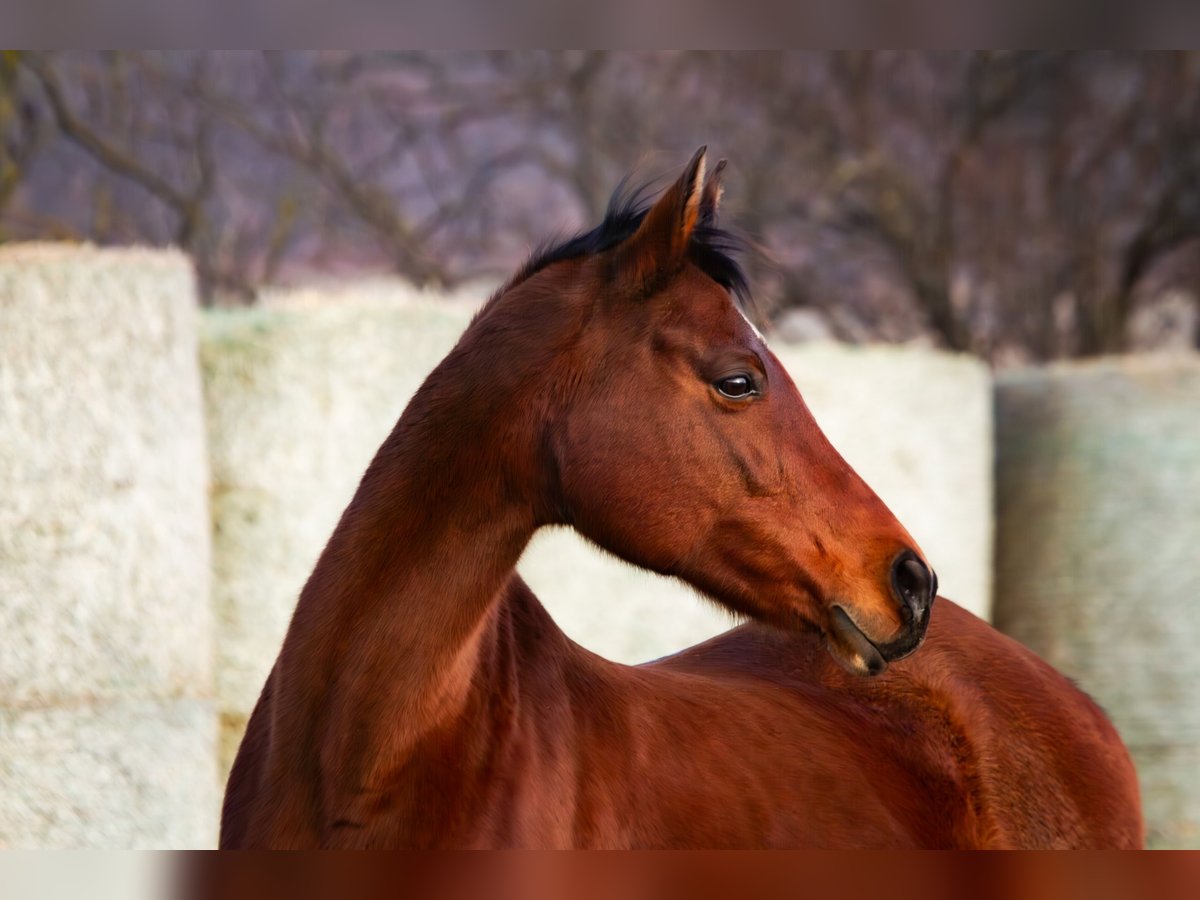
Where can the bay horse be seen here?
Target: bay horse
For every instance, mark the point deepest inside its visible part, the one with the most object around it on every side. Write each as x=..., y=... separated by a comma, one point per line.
x=424, y=698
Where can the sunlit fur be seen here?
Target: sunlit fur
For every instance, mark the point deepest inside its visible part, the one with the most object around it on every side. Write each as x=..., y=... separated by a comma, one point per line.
x=424, y=698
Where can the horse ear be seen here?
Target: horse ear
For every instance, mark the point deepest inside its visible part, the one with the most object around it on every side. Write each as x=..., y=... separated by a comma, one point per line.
x=661, y=241
x=710, y=198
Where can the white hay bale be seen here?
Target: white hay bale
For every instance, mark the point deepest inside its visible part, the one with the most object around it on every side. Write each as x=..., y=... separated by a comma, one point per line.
x=1098, y=525
x=104, y=553
x=104, y=526
x=613, y=608
x=121, y=775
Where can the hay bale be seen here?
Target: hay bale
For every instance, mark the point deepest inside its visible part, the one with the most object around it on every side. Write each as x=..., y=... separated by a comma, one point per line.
x=231, y=728
x=1098, y=502
x=104, y=552
x=917, y=426
x=124, y=774
x=613, y=608
x=104, y=528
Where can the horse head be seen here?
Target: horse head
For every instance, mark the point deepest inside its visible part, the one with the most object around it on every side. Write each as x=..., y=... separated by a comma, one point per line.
x=672, y=436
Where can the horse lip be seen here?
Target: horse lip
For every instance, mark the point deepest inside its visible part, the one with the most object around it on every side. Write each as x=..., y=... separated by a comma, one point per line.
x=874, y=657
x=861, y=656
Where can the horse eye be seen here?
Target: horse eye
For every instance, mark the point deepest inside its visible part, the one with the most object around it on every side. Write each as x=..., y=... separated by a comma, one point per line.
x=737, y=387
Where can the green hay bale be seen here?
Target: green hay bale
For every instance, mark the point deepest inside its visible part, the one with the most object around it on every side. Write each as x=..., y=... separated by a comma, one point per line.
x=1098, y=525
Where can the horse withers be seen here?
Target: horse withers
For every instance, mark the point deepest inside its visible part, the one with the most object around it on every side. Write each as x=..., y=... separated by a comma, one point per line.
x=424, y=698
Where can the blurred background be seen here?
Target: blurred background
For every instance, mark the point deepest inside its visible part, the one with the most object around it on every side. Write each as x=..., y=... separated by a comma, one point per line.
x=1018, y=206
x=223, y=274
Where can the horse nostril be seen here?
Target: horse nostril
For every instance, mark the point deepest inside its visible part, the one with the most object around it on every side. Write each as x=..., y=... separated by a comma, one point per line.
x=915, y=585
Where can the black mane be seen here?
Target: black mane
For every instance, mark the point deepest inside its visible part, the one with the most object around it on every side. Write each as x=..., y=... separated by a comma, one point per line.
x=714, y=250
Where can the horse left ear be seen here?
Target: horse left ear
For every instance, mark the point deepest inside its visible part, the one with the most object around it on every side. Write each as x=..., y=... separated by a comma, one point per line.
x=710, y=198
x=660, y=244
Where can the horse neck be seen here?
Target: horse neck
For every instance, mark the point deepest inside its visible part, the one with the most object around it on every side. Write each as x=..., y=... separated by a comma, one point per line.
x=386, y=639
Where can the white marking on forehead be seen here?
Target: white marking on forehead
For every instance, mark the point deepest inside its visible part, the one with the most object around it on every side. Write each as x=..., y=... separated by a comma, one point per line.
x=753, y=328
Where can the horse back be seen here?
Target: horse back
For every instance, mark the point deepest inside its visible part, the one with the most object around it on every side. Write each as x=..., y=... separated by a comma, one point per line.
x=1051, y=762
x=1031, y=759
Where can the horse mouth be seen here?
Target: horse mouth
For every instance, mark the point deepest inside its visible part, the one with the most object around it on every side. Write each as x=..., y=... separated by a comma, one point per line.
x=850, y=647
x=858, y=653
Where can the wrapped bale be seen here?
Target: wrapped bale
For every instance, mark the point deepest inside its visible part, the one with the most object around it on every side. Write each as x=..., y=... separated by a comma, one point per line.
x=1098, y=503
x=104, y=534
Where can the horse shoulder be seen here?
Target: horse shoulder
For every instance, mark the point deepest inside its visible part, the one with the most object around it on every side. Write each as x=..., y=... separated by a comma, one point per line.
x=1049, y=768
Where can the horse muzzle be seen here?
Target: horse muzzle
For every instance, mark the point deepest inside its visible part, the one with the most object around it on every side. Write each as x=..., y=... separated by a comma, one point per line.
x=914, y=587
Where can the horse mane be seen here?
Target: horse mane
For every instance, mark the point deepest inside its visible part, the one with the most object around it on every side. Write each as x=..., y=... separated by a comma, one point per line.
x=716, y=251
